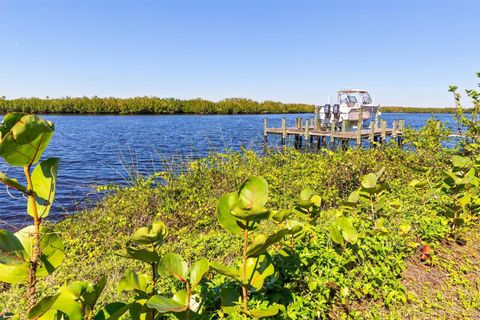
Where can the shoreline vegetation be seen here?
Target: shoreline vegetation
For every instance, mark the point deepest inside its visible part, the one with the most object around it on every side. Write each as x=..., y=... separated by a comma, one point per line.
x=155, y=105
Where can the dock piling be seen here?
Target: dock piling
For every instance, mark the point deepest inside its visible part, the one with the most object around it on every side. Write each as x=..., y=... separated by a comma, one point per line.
x=384, y=131
x=284, y=131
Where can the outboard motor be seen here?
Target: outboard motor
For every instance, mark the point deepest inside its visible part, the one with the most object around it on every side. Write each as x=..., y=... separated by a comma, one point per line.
x=328, y=112
x=336, y=111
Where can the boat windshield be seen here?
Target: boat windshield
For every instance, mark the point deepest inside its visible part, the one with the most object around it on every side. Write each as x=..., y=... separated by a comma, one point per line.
x=366, y=99
x=350, y=99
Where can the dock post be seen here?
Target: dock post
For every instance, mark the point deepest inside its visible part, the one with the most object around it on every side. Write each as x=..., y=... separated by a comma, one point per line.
x=332, y=131
x=359, y=128
x=394, y=129
x=316, y=121
x=307, y=134
x=359, y=133
x=401, y=127
x=384, y=131
x=371, y=137
x=265, y=133
x=377, y=116
x=284, y=131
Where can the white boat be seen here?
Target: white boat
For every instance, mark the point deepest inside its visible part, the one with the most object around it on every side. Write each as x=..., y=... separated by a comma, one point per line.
x=350, y=105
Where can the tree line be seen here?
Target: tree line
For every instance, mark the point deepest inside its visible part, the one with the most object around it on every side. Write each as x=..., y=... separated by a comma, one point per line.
x=147, y=105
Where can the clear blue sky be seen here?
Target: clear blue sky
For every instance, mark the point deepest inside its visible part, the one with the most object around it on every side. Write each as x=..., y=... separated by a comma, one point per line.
x=406, y=52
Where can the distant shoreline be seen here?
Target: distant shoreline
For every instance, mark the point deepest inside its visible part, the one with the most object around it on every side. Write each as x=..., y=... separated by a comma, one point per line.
x=165, y=106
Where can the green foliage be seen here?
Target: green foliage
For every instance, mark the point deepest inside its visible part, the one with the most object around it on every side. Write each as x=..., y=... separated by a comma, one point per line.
x=33, y=252
x=468, y=125
x=76, y=301
x=148, y=105
x=16, y=252
x=243, y=210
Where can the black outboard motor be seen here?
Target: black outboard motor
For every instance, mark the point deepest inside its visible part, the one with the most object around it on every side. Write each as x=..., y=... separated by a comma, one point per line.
x=336, y=111
x=328, y=112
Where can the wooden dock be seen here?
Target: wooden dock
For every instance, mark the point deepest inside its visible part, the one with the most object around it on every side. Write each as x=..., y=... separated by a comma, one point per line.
x=310, y=133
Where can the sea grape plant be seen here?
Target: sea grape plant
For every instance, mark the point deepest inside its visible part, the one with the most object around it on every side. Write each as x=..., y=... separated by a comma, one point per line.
x=240, y=213
x=471, y=142
x=77, y=301
x=370, y=195
x=34, y=251
x=309, y=204
x=458, y=192
x=184, y=304
x=143, y=246
x=343, y=232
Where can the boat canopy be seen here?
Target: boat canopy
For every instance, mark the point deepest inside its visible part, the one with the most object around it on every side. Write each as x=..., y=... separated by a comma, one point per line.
x=352, y=91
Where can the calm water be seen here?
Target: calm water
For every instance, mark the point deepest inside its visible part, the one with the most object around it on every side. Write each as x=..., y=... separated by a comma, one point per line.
x=99, y=150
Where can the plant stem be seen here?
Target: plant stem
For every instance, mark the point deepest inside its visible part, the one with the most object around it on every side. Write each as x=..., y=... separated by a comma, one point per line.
x=35, y=256
x=189, y=293
x=154, y=281
x=244, y=269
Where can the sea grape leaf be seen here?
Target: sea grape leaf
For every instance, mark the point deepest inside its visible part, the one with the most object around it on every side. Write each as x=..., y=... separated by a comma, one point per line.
x=24, y=138
x=253, y=193
x=224, y=207
x=280, y=216
x=44, y=180
x=336, y=234
x=316, y=200
x=261, y=242
x=68, y=301
x=91, y=297
x=306, y=194
x=369, y=181
x=461, y=162
x=42, y=306
x=349, y=232
x=226, y=271
x=163, y=304
x=153, y=234
x=197, y=271
x=230, y=300
x=112, y=311
x=257, y=270
x=132, y=281
x=173, y=265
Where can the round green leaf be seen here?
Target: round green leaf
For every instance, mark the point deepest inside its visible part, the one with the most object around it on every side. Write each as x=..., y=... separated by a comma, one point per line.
x=224, y=207
x=306, y=194
x=197, y=271
x=131, y=281
x=44, y=180
x=173, y=265
x=23, y=139
x=253, y=193
x=369, y=181
x=153, y=234
x=336, y=235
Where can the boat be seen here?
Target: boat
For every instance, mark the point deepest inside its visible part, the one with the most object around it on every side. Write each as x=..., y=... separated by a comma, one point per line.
x=352, y=105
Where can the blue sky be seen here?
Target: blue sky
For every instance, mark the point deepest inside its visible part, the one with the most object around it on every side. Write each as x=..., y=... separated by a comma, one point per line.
x=405, y=52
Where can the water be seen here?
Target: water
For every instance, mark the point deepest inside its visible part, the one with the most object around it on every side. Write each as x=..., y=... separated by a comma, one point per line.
x=99, y=150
